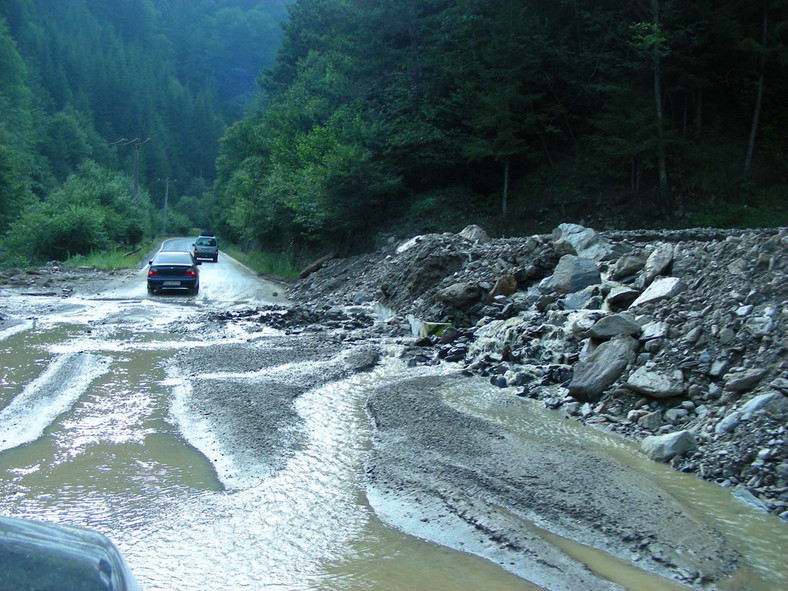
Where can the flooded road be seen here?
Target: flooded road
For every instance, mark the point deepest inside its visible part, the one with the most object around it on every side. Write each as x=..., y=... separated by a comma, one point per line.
x=99, y=428
x=119, y=412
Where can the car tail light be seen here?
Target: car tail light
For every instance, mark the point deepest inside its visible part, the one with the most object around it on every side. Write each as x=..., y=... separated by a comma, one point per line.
x=152, y=272
x=191, y=273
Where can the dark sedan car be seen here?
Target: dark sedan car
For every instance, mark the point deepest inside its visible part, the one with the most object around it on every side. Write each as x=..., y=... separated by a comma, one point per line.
x=40, y=556
x=171, y=270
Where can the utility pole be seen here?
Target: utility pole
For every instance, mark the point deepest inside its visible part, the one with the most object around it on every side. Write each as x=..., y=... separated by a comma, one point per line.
x=136, y=142
x=167, y=182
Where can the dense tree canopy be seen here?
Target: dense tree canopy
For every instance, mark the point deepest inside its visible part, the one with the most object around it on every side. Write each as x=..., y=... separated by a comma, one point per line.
x=360, y=117
x=80, y=80
x=382, y=109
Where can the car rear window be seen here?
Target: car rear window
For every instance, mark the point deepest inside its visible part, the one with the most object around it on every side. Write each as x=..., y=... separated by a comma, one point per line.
x=206, y=241
x=169, y=258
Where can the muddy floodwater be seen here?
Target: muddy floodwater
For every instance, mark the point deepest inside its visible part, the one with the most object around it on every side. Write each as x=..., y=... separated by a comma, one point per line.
x=109, y=419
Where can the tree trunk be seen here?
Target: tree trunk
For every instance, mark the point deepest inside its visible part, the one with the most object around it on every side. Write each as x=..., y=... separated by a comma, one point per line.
x=759, y=96
x=504, y=201
x=663, y=171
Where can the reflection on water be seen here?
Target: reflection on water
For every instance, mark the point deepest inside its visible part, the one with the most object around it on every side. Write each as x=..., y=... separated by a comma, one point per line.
x=113, y=460
x=111, y=457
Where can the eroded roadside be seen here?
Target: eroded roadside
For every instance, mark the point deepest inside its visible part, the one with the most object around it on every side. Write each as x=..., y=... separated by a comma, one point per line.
x=475, y=486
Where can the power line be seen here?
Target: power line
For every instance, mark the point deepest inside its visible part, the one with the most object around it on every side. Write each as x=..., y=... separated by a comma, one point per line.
x=167, y=182
x=136, y=142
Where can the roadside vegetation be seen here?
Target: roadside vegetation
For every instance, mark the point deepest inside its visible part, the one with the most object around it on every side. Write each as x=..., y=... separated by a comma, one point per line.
x=113, y=258
x=265, y=263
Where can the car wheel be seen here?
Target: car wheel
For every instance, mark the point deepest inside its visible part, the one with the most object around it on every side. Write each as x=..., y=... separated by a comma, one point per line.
x=151, y=291
x=196, y=290
x=216, y=259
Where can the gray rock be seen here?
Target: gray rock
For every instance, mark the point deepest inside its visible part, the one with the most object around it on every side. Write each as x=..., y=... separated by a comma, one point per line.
x=727, y=335
x=629, y=264
x=741, y=379
x=657, y=384
x=602, y=367
x=718, y=368
x=577, y=240
x=663, y=448
x=621, y=297
x=662, y=288
x=729, y=423
x=654, y=330
x=759, y=326
x=574, y=273
x=743, y=494
x=614, y=325
x=752, y=406
x=674, y=415
x=475, y=233
x=579, y=300
x=652, y=421
x=658, y=261
x=459, y=295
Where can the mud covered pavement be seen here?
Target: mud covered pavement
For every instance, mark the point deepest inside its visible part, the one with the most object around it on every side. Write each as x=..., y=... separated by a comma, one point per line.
x=268, y=394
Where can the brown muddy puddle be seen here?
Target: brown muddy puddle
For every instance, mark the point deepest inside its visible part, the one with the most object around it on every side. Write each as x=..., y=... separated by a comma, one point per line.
x=113, y=458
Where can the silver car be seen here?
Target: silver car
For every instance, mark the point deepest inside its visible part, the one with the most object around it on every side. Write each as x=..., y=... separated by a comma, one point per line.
x=206, y=247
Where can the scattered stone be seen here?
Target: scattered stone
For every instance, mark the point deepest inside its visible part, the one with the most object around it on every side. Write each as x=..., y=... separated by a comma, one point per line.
x=657, y=384
x=663, y=448
x=710, y=304
x=574, y=273
x=661, y=289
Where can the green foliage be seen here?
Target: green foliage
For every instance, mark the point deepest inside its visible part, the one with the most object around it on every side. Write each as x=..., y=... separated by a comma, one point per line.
x=277, y=264
x=93, y=210
x=370, y=103
x=111, y=258
x=179, y=224
x=77, y=76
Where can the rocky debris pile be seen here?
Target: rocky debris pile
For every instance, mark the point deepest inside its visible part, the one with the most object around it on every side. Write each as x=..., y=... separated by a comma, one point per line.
x=56, y=279
x=674, y=338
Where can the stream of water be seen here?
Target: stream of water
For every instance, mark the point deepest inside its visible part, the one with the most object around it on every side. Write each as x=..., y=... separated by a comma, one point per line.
x=115, y=450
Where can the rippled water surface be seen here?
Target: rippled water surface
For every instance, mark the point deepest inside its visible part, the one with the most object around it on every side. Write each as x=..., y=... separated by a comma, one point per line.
x=97, y=429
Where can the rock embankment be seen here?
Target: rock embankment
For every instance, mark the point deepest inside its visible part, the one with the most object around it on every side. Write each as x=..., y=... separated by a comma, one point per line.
x=674, y=338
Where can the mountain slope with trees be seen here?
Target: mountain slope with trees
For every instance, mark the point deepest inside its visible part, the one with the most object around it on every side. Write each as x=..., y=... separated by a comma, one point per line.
x=360, y=119
x=418, y=111
x=82, y=80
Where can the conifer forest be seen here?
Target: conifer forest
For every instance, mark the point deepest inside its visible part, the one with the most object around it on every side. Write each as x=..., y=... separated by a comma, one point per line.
x=308, y=125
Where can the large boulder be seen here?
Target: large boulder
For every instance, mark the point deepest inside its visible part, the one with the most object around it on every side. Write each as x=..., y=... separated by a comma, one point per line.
x=657, y=263
x=577, y=240
x=614, y=325
x=475, y=233
x=663, y=448
x=573, y=274
x=628, y=265
x=602, y=367
x=657, y=384
x=459, y=295
x=661, y=289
